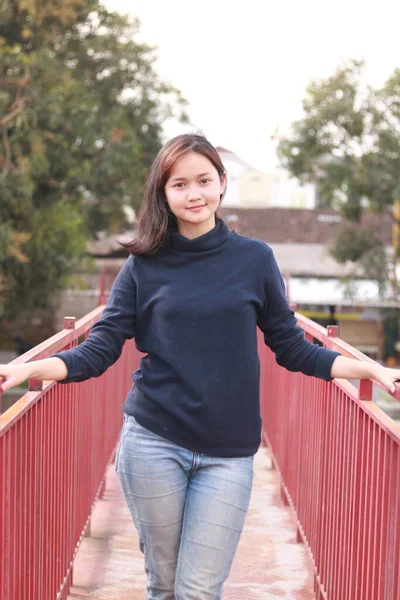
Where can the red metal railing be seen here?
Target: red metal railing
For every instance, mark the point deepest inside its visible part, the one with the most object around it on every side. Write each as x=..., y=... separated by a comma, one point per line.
x=55, y=446
x=336, y=451
x=106, y=279
x=338, y=457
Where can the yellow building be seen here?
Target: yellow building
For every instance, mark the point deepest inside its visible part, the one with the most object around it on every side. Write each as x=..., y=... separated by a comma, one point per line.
x=255, y=188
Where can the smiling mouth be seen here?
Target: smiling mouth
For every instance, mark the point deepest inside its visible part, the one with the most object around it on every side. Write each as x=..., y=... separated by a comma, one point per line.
x=194, y=207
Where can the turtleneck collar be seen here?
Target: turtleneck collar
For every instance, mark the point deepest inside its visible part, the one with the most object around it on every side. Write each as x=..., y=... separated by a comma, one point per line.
x=212, y=239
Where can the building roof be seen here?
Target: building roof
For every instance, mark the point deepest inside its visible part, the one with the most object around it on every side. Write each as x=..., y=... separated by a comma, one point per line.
x=228, y=154
x=298, y=225
x=305, y=260
x=298, y=237
x=108, y=245
x=222, y=149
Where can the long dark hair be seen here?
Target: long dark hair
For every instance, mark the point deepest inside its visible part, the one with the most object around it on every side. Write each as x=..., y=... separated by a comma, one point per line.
x=156, y=220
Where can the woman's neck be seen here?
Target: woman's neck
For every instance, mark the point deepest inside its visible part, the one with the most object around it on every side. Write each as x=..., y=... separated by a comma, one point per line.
x=194, y=230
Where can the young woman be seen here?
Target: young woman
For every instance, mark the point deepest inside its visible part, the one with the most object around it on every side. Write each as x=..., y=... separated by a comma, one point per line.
x=192, y=293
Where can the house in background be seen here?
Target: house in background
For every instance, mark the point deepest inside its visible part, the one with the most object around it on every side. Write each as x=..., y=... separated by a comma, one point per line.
x=287, y=192
x=251, y=188
x=247, y=187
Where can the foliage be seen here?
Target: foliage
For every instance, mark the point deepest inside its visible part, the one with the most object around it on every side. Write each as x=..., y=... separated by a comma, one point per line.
x=348, y=141
x=81, y=115
x=326, y=146
x=361, y=245
x=353, y=242
x=381, y=162
x=348, y=144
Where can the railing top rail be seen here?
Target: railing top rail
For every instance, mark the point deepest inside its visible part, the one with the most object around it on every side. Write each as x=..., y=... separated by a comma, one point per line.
x=338, y=345
x=61, y=339
x=67, y=337
x=56, y=343
x=373, y=411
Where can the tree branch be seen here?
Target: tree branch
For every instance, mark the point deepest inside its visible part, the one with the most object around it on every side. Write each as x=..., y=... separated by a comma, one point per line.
x=7, y=151
x=12, y=114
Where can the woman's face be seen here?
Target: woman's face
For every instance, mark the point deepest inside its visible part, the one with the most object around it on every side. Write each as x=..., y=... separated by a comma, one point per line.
x=193, y=193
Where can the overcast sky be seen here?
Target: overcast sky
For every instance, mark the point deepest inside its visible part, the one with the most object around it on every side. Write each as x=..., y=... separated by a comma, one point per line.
x=244, y=66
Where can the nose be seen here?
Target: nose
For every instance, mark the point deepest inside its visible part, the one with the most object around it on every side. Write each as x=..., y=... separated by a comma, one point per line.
x=193, y=193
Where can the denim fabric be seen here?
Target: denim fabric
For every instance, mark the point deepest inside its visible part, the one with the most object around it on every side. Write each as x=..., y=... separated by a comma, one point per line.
x=189, y=510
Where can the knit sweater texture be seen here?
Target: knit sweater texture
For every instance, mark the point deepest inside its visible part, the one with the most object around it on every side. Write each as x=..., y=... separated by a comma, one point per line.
x=193, y=309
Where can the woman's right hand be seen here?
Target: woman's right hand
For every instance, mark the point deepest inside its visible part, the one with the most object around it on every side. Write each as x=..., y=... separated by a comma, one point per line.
x=14, y=375
x=53, y=368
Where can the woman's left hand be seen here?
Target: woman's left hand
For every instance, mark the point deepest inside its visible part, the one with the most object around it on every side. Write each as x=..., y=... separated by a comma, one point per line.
x=386, y=377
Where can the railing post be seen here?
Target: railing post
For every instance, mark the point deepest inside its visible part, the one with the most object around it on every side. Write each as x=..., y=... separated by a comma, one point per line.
x=35, y=385
x=102, y=295
x=333, y=331
x=69, y=322
x=365, y=385
x=70, y=579
x=365, y=389
x=1, y=393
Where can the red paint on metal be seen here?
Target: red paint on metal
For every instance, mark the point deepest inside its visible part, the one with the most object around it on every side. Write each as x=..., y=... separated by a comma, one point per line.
x=338, y=457
x=336, y=452
x=102, y=295
x=55, y=445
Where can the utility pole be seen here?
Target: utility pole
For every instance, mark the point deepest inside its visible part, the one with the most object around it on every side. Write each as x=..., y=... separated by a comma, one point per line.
x=395, y=244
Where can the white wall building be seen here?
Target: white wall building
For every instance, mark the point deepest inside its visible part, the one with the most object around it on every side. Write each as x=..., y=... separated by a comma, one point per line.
x=251, y=188
x=234, y=167
x=288, y=193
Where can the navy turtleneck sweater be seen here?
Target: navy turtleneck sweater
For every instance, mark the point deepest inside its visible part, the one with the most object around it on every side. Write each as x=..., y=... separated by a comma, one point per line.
x=193, y=309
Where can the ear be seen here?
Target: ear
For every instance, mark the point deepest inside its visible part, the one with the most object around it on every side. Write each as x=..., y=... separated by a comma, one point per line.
x=223, y=180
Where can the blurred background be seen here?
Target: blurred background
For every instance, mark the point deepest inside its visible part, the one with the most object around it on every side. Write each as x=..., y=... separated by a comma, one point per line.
x=301, y=100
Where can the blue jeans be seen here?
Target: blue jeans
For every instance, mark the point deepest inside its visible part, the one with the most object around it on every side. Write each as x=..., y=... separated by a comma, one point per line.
x=189, y=510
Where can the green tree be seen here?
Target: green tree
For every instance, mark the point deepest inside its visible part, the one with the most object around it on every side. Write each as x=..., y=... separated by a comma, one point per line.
x=363, y=247
x=326, y=145
x=382, y=157
x=81, y=115
x=348, y=144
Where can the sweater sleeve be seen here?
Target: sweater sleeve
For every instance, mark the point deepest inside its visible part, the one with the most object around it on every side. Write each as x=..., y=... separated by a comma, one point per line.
x=283, y=335
x=106, y=339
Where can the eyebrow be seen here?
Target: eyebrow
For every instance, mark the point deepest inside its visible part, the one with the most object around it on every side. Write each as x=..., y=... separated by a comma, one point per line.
x=182, y=178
